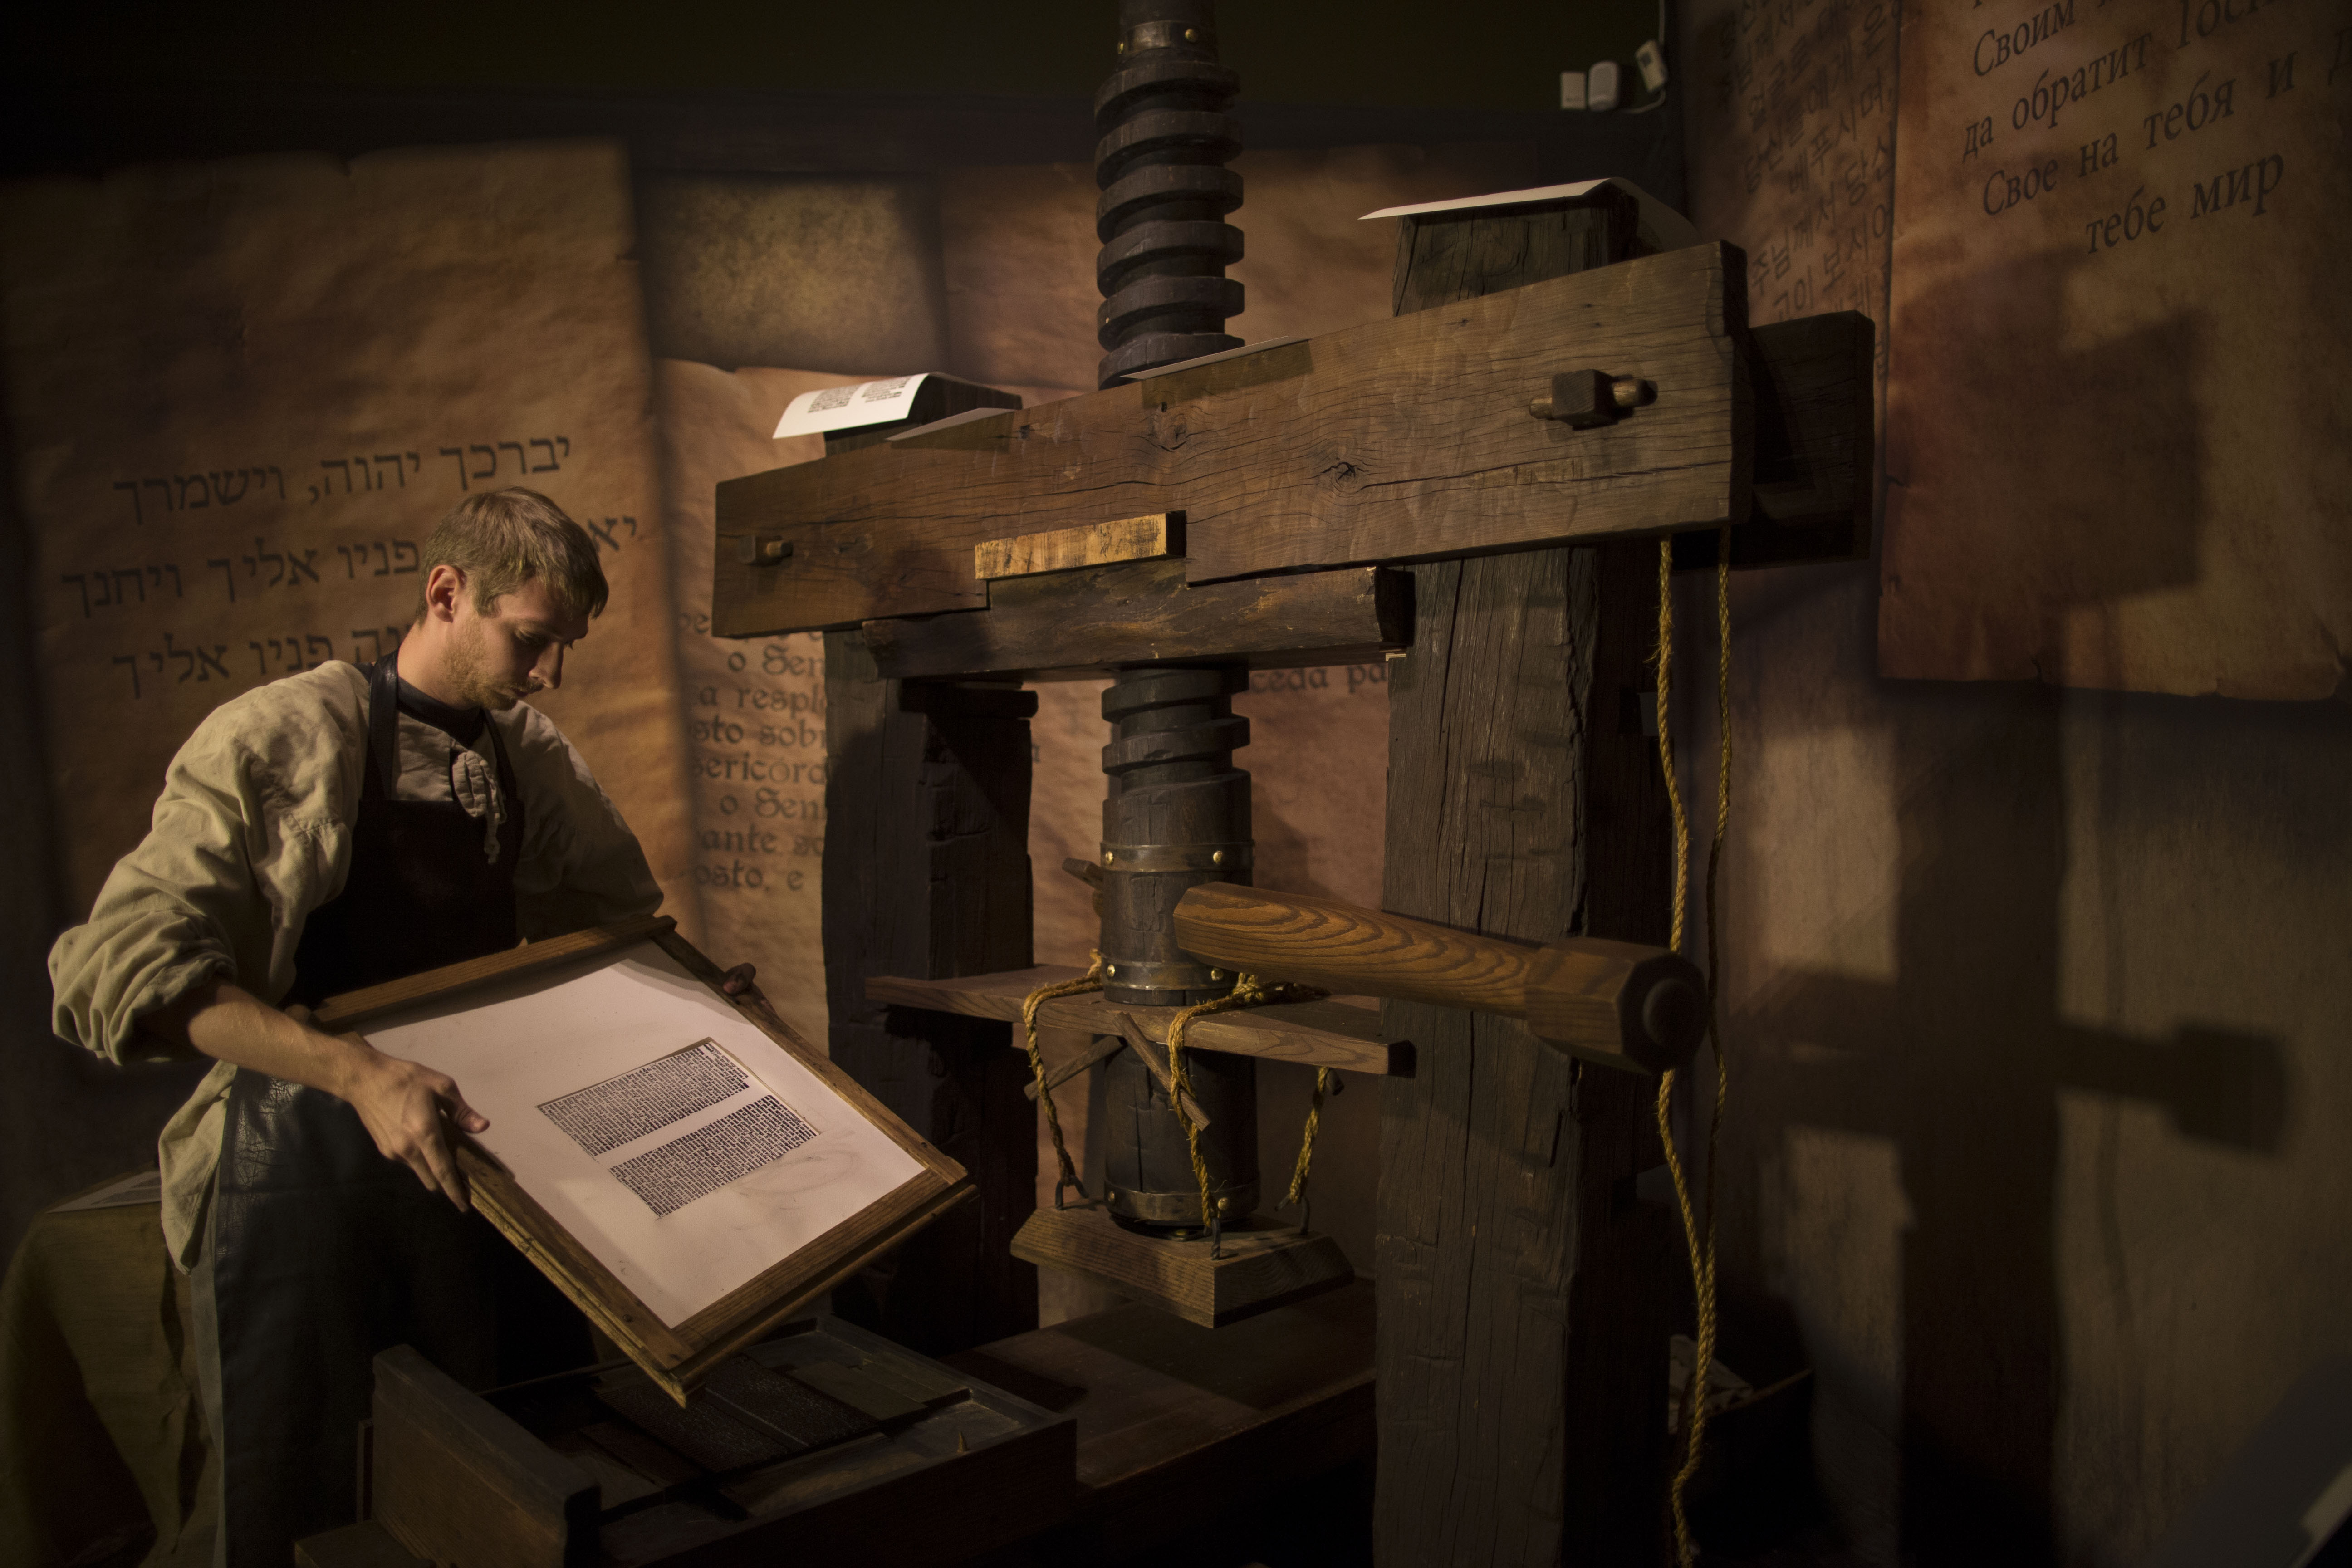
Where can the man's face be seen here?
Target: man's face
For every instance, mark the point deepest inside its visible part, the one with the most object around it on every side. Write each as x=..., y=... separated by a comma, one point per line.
x=504, y=654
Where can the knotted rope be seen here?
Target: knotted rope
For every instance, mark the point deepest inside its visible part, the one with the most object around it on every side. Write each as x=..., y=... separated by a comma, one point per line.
x=1067, y=1175
x=1297, y=1198
x=1701, y=1242
x=1248, y=992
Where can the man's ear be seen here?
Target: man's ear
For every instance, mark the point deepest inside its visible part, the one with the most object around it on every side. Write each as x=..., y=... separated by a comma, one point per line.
x=442, y=589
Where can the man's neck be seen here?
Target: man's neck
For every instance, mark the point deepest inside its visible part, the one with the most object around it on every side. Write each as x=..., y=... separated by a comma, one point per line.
x=463, y=725
x=423, y=666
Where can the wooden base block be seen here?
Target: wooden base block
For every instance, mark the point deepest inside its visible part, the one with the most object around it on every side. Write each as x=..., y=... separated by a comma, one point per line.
x=1175, y=1421
x=366, y=1544
x=1266, y=1264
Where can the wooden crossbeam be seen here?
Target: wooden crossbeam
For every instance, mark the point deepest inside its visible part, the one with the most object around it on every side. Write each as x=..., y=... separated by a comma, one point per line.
x=1815, y=404
x=1080, y=622
x=1404, y=439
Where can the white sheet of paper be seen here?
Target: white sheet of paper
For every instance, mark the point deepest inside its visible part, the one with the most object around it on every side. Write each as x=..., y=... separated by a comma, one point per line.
x=1661, y=226
x=826, y=408
x=517, y=1049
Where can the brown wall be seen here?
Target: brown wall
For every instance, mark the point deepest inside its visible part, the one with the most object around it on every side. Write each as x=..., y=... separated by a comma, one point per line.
x=2038, y=1017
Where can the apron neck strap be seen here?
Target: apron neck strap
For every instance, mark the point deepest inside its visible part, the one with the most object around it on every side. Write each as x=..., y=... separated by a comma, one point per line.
x=384, y=729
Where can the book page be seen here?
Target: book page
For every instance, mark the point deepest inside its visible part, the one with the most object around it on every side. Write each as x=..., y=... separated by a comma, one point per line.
x=686, y=1150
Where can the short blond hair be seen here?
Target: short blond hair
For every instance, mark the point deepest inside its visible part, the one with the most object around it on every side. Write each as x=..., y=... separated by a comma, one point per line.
x=502, y=539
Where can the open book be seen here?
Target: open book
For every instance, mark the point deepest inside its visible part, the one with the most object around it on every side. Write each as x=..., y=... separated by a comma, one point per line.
x=678, y=1162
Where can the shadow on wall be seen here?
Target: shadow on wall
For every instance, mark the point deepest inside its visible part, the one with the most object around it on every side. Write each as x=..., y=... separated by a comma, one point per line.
x=67, y=1121
x=1918, y=1117
x=1959, y=1061
x=2047, y=535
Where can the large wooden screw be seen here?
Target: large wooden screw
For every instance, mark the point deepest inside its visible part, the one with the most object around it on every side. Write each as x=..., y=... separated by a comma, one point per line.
x=1642, y=1008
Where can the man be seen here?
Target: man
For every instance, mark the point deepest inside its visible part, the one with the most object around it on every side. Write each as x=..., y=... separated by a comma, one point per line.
x=335, y=829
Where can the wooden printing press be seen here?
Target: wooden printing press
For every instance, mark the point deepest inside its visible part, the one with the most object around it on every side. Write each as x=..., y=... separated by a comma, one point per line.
x=1472, y=490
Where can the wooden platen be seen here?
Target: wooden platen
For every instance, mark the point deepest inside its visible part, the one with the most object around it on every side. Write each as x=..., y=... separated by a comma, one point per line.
x=1330, y=1033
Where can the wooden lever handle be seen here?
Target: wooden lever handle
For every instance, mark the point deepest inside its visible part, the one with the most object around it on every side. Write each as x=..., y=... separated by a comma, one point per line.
x=1345, y=947
x=1615, y=1002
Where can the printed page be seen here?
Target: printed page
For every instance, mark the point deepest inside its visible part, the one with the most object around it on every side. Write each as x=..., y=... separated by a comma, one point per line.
x=674, y=1141
x=850, y=407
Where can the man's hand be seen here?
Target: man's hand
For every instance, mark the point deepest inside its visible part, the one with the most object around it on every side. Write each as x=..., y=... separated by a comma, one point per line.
x=402, y=1105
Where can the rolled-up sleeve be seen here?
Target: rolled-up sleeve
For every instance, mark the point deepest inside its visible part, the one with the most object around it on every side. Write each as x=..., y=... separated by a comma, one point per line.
x=246, y=841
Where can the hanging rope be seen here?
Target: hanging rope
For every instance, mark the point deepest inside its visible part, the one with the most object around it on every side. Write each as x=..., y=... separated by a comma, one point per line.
x=1701, y=1241
x=1248, y=992
x=1297, y=1198
x=1067, y=1175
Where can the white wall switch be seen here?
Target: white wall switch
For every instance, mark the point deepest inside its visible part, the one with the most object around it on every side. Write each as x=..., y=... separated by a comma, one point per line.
x=1653, y=61
x=1600, y=86
x=1572, y=89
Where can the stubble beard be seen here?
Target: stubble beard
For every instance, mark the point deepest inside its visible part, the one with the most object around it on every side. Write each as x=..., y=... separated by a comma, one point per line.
x=470, y=665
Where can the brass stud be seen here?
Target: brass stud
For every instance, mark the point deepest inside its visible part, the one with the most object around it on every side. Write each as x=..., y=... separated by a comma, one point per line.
x=1111, y=969
x=1122, y=45
x=1216, y=857
x=1109, y=857
x=1191, y=34
x=1216, y=974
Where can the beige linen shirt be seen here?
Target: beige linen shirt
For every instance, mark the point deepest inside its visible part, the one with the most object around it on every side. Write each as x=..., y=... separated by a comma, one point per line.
x=253, y=832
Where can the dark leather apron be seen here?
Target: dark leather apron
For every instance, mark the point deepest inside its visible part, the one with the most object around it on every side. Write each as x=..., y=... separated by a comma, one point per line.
x=324, y=1251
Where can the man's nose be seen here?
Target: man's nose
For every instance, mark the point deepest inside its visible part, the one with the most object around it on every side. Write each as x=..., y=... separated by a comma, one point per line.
x=549, y=670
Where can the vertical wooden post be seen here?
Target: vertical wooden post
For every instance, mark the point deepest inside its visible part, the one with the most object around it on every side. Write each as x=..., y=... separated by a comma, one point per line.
x=1525, y=1295
x=927, y=873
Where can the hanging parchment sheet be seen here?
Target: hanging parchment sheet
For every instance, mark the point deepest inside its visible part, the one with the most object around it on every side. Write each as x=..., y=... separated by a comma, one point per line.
x=2118, y=428
x=243, y=393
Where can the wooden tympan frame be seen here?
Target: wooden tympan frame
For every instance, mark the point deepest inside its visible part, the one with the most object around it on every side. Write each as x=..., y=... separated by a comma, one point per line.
x=676, y=1356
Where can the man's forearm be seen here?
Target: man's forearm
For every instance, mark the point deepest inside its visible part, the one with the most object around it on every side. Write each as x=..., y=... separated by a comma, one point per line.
x=230, y=1024
x=401, y=1103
